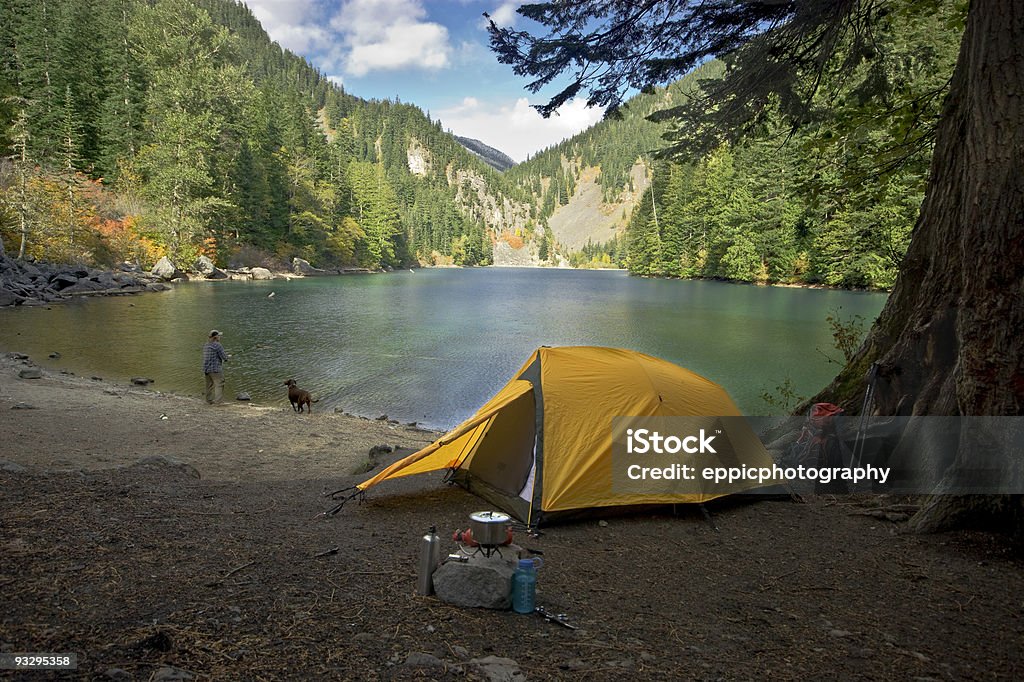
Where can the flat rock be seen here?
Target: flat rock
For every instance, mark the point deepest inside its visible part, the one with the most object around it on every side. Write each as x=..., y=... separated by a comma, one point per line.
x=481, y=582
x=261, y=274
x=498, y=669
x=12, y=467
x=156, y=461
x=418, y=659
x=30, y=373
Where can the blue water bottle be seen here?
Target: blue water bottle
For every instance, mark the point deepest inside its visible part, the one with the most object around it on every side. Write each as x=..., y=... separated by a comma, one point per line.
x=524, y=586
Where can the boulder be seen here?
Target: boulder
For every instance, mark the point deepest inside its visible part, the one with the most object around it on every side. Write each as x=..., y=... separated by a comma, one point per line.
x=261, y=273
x=86, y=285
x=31, y=270
x=76, y=271
x=206, y=267
x=481, y=582
x=63, y=280
x=105, y=279
x=165, y=269
x=8, y=297
x=302, y=267
x=30, y=373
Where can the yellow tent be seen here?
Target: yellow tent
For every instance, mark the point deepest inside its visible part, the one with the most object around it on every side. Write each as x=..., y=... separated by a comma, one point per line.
x=542, y=446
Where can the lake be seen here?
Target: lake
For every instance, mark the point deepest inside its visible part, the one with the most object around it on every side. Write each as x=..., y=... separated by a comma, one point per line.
x=432, y=345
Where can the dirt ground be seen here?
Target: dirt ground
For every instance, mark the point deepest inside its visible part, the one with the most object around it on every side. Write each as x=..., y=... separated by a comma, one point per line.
x=210, y=560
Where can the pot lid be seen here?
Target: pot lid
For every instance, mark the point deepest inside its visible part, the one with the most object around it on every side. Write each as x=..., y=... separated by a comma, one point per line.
x=490, y=517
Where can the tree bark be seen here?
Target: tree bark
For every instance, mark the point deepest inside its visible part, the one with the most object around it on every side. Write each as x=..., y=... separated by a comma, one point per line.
x=950, y=339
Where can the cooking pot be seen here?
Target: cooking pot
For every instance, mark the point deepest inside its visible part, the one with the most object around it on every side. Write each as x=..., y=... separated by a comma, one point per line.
x=490, y=528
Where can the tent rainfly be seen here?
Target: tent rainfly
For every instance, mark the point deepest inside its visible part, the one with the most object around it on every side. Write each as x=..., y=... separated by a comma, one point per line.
x=542, y=446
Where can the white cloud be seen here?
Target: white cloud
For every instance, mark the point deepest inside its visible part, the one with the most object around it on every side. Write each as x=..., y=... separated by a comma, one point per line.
x=388, y=35
x=504, y=15
x=294, y=24
x=517, y=129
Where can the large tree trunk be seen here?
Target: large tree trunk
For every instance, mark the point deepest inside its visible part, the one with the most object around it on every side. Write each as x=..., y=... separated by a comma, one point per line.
x=950, y=340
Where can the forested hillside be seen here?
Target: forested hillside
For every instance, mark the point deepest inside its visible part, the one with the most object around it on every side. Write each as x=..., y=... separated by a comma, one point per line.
x=133, y=129
x=833, y=201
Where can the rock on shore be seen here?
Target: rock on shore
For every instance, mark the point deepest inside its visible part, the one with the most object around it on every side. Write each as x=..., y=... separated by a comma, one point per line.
x=27, y=282
x=31, y=282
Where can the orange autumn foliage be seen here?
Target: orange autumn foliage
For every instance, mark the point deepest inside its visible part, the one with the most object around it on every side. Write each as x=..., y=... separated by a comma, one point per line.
x=513, y=239
x=124, y=242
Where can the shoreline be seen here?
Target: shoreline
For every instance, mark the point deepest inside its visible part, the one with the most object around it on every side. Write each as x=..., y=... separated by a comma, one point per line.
x=64, y=421
x=39, y=283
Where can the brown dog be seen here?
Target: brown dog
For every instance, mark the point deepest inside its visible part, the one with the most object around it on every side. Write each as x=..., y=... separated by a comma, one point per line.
x=298, y=397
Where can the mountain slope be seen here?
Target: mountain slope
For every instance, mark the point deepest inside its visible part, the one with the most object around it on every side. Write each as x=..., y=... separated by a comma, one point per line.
x=210, y=138
x=494, y=158
x=587, y=187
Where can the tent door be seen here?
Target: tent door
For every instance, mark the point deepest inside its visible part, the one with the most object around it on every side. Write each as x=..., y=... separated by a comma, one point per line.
x=505, y=457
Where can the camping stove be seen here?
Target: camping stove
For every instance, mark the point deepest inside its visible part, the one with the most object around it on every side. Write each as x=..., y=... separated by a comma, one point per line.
x=488, y=550
x=491, y=530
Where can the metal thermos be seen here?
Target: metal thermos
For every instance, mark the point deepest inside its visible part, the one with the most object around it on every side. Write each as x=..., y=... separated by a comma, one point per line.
x=430, y=557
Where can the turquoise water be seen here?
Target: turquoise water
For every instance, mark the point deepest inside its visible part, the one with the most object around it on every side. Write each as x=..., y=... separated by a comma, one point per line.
x=432, y=345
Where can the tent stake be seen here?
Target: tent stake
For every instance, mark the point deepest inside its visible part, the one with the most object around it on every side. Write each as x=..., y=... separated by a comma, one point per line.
x=708, y=517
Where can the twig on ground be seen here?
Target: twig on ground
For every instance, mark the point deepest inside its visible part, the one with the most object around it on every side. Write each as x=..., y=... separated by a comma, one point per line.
x=229, y=574
x=326, y=552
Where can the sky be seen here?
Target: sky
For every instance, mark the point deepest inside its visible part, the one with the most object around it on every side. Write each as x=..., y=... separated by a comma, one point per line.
x=431, y=53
